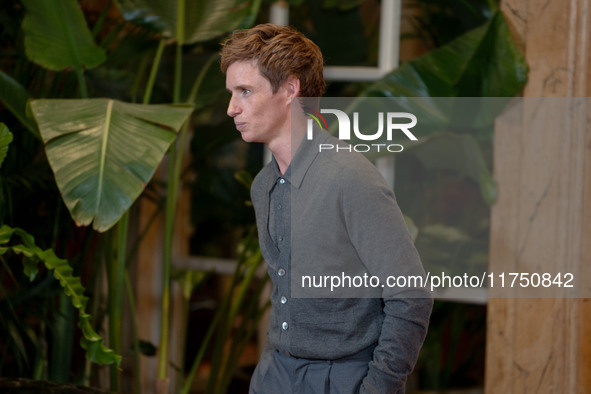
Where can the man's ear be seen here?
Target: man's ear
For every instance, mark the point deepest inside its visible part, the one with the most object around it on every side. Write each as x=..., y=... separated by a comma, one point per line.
x=292, y=87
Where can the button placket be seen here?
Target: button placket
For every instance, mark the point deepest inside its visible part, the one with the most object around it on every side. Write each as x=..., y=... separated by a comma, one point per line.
x=280, y=205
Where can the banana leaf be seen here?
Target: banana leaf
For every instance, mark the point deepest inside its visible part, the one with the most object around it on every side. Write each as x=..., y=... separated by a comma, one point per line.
x=57, y=37
x=482, y=63
x=14, y=97
x=477, y=74
x=485, y=62
x=200, y=20
x=103, y=152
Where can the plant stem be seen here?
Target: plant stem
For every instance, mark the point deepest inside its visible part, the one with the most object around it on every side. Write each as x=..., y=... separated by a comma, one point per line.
x=174, y=157
x=154, y=71
x=117, y=277
x=178, y=64
x=200, y=78
x=122, y=257
x=97, y=275
x=82, y=82
x=76, y=56
x=136, y=342
x=101, y=19
x=166, y=263
x=61, y=354
x=189, y=380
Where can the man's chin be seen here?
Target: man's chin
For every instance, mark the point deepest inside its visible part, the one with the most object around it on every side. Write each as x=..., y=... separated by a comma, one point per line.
x=247, y=137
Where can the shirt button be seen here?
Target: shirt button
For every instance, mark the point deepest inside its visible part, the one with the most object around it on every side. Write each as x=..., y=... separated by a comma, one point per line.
x=284, y=325
x=281, y=272
x=279, y=206
x=280, y=238
x=282, y=181
x=284, y=300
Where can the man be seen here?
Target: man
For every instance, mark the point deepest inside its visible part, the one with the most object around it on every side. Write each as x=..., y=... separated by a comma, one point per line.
x=319, y=211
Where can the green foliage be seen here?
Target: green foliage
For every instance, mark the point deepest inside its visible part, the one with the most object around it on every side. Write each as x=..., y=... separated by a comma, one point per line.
x=345, y=30
x=437, y=22
x=5, y=140
x=484, y=62
x=241, y=302
x=190, y=21
x=32, y=256
x=103, y=151
x=14, y=97
x=87, y=144
x=56, y=35
x=461, y=154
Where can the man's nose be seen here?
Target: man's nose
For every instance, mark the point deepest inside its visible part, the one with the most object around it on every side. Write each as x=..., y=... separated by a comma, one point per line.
x=233, y=109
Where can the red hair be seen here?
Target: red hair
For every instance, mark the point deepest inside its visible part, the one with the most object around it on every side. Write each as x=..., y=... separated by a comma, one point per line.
x=280, y=52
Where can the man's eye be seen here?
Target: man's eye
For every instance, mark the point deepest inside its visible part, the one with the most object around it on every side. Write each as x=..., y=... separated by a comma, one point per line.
x=245, y=91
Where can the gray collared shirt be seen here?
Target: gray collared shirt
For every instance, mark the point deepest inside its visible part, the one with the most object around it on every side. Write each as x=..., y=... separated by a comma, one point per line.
x=332, y=213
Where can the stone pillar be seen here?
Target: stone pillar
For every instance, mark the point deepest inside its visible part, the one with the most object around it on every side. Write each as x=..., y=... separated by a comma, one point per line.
x=542, y=217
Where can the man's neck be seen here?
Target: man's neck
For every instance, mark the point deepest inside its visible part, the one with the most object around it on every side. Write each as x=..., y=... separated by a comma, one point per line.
x=285, y=147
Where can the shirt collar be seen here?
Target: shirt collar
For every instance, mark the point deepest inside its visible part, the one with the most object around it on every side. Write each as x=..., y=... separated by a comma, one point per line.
x=302, y=160
x=277, y=172
x=305, y=155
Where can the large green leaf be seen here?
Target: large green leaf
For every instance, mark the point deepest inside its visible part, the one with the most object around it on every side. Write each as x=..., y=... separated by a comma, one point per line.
x=96, y=351
x=14, y=97
x=103, y=152
x=452, y=250
x=485, y=62
x=477, y=74
x=5, y=140
x=57, y=37
x=459, y=153
x=200, y=20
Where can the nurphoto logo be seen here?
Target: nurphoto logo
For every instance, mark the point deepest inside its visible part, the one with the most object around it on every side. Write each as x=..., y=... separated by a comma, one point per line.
x=395, y=122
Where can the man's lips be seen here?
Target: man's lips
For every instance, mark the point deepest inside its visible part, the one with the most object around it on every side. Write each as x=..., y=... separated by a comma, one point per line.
x=240, y=125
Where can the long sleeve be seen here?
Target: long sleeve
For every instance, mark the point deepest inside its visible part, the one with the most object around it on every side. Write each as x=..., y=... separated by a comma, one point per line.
x=403, y=332
x=378, y=232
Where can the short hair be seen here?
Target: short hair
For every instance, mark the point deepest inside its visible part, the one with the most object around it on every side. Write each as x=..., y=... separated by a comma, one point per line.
x=280, y=51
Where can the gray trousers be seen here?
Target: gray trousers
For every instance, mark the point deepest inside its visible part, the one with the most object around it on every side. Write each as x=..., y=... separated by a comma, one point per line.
x=279, y=373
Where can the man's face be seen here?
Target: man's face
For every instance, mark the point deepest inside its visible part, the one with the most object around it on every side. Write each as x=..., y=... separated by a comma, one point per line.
x=259, y=114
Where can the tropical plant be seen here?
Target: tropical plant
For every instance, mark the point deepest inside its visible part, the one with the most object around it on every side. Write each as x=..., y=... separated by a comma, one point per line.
x=96, y=351
x=57, y=56
x=104, y=151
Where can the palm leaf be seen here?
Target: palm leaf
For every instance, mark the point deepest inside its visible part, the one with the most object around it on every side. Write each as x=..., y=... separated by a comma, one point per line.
x=200, y=20
x=57, y=37
x=103, y=152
